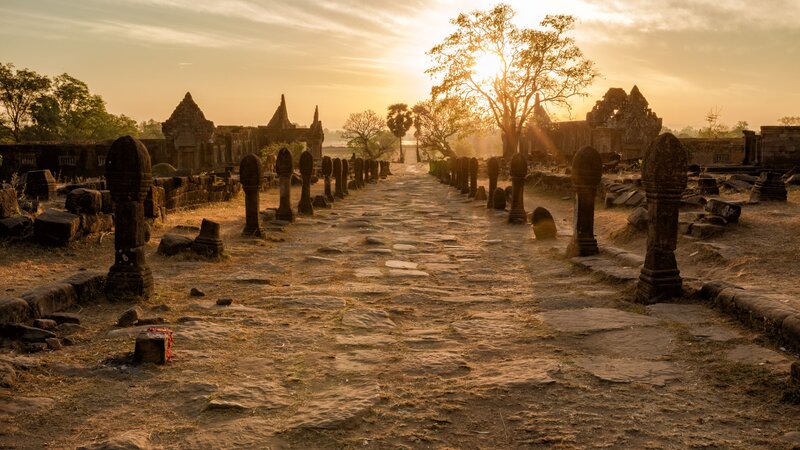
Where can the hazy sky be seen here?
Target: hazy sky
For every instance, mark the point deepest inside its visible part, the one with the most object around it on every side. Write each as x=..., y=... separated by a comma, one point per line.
x=238, y=56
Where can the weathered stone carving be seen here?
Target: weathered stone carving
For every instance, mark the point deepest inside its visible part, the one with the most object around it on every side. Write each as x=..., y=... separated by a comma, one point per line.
x=587, y=170
x=493, y=169
x=499, y=201
x=305, y=206
x=473, y=177
x=544, y=227
x=768, y=187
x=327, y=170
x=453, y=167
x=664, y=178
x=284, y=167
x=251, y=173
x=518, y=170
x=129, y=177
x=208, y=243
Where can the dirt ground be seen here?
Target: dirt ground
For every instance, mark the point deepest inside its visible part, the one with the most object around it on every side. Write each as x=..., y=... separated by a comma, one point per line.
x=404, y=317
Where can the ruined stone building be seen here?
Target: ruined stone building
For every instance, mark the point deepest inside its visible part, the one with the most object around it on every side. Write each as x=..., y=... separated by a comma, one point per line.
x=619, y=122
x=190, y=142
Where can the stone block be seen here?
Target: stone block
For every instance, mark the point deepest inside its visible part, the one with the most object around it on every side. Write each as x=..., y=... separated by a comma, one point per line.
x=705, y=230
x=25, y=333
x=9, y=206
x=54, y=227
x=40, y=185
x=108, y=202
x=84, y=201
x=49, y=298
x=64, y=317
x=729, y=211
x=14, y=310
x=638, y=218
x=88, y=285
x=172, y=244
x=154, y=201
x=96, y=223
x=17, y=227
x=152, y=347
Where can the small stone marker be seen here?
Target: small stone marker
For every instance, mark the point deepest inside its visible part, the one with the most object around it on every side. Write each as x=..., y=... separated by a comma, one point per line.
x=480, y=194
x=305, y=206
x=519, y=170
x=664, y=178
x=768, y=187
x=224, y=301
x=153, y=346
x=358, y=172
x=587, y=170
x=345, y=176
x=129, y=317
x=129, y=178
x=544, y=227
x=473, y=177
x=707, y=185
x=251, y=173
x=284, y=167
x=499, y=202
x=493, y=169
x=208, y=242
x=327, y=170
x=321, y=202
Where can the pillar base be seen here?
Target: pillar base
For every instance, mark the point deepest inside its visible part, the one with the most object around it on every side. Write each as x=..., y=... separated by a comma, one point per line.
x=286, y=215
x=129, y=283
x=253, y=231
x=582, y=247
x=657, y=286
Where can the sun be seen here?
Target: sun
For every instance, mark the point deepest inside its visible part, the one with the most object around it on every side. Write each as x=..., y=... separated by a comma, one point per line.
x=488, y=65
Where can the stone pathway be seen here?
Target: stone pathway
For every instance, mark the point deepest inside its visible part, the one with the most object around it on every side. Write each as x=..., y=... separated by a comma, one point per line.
x=409, y=317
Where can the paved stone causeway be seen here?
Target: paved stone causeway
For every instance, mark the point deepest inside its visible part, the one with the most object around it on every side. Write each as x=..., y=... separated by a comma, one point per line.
x=404, y=317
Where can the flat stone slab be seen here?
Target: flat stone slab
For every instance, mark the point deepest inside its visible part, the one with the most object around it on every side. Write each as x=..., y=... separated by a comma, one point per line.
x=404, y=247
x=250, y=397
x=369, y=340
x=441, y=363
x=368, y=318
x=637, y=343
x=515, y=373
x=758, y=356
x=593, y=319
x=394, y=264
x=685, y=314
x=335, y=408
x=618, y=370
x=400, y=273
x=714, y=333
x=315, y=303
x=380, y=251
x=312, y=258
x=368, y=272
x=361, y=361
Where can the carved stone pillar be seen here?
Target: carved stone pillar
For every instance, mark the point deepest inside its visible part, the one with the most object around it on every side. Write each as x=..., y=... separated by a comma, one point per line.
x=453, y=167
x=129, y=177
x=345, y=176
x=493, y=169
x=587, y=170
x=305, y=207
x=463, y=176
x=284, y=167
x=327, y=170
x=518, y=170
x=251, y=173
x=664, y=179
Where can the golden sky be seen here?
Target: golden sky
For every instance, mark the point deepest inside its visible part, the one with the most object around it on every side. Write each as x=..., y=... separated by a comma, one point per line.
x=238, y=56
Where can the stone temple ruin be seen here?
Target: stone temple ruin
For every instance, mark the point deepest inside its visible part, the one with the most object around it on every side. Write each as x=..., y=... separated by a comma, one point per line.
x=191, y=142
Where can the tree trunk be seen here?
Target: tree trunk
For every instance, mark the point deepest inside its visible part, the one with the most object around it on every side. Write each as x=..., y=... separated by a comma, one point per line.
x=510, y=144
x=418, y=159
x=402, y=156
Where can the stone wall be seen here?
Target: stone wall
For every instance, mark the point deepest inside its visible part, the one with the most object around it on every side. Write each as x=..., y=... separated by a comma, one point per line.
x=779, y=147
x=179, y=192
x=718, y=151
x=62, y=159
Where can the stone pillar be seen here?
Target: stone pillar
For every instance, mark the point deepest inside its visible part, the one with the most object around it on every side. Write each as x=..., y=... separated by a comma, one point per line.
x=129, y=178
x=327, y=170
x=284, y=168
x=518, y=171
x=499, y=202
x=452, y=166
x=345, y=176
x=664, y=179
x=305, y=207
x=473, y=177
x=587, y=170
x=251, y=173
x=359, y=172
x=768, y=187
x=463, y=176
x=337, y=177
x=493, y=169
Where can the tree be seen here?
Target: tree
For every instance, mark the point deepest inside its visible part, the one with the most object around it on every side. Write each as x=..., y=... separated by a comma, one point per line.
x=18, y=91
x=714, y=128
x=384, y=143
x=417, y=110
x=441, y=122
x=361, y=129
x=502, y=66
x=150, y=129
x=789, y=121
x=399, y=120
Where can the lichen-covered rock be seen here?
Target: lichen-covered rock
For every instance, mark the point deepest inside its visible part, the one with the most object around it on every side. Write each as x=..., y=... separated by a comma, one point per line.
x=14, y=310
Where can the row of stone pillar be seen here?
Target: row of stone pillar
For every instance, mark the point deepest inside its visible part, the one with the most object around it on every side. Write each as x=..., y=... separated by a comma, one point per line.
x=129, y=177
x=664, y=176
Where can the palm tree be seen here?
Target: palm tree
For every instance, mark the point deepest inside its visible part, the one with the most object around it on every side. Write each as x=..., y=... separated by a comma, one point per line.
x=399, y=120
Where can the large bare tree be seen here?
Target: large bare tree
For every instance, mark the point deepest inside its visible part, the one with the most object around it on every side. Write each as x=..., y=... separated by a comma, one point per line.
x=361, y=130
x=503, y=66
x=442, y=121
